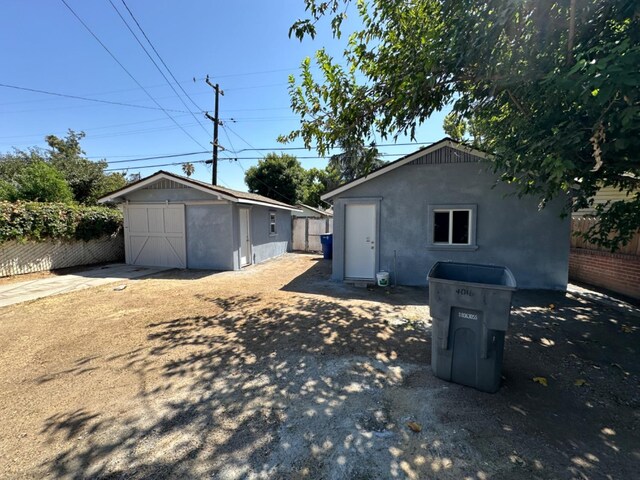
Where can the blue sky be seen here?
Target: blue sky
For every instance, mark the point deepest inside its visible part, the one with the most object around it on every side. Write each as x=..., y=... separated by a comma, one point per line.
x=242, y=45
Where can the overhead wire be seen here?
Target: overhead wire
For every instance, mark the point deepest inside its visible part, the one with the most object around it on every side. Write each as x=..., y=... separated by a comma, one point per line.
x=153, y=61
x=160, y=57
x=269, y=187
x=129, y=73
x=88, y=99
x=141, y=167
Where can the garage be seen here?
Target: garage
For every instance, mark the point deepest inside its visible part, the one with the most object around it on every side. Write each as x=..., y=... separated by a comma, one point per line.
x=155, y=235
x=175, y=221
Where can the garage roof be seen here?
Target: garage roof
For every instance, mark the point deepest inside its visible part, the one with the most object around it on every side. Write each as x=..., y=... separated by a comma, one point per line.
x=220, y=192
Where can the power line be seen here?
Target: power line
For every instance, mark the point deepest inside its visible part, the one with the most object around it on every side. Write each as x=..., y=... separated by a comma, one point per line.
x=160, y=57
x=77, y=97
x=269, y=187
x=160, y=165
x=157, y=157
x=153, y=61
x=311, y=148
x=129, y=73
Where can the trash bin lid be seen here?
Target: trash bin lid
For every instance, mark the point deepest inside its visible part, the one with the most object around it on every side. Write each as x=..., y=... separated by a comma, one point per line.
x=493, y=276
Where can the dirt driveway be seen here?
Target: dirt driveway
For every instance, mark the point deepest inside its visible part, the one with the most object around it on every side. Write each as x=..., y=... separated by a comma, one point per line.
x=276, y=372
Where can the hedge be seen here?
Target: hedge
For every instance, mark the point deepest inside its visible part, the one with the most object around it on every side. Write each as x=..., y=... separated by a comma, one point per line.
x=40, y=221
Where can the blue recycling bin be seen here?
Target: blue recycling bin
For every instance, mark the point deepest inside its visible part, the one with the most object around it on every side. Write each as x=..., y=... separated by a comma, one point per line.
x=327, y=245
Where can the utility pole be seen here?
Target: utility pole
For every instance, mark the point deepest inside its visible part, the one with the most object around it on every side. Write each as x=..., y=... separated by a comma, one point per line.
x=216, y=122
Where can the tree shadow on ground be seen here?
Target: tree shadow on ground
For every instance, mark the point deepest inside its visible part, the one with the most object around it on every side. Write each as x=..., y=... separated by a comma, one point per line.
x=308, y=387
x=316, y=280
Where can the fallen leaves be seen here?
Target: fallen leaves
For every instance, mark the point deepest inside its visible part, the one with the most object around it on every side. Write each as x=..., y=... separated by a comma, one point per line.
x=626, y=329
x=541, y=380
x=414, y=427
x=580, y=382
x=551, y=306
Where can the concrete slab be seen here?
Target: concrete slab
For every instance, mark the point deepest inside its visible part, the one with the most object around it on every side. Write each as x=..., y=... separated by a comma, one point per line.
x=13, y=293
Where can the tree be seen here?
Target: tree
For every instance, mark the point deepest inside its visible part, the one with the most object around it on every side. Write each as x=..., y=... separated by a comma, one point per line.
x=277, y=176
x=551, y=86
x=317, y=183
x=355, y=160
x=188, y=169
x=454, y=126
x=40, y=182
x=87, y=178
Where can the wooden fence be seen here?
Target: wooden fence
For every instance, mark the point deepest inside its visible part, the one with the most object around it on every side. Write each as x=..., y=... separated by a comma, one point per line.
x=581, y=225
x=306, y=231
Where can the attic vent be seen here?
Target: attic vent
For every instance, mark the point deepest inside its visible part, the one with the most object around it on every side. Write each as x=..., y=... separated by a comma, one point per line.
x=165, y=184
x=446, y=155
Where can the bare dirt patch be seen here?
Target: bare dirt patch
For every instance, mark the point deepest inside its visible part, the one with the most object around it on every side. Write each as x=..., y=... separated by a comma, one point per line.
x=276, y=372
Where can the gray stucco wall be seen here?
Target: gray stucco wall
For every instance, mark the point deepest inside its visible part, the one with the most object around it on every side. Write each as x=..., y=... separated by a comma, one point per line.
x=510, y=230
x=266, y=246
x=209, y=237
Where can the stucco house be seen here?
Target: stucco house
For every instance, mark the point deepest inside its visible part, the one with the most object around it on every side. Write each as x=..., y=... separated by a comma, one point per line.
x=443, y=202
x=176, y=221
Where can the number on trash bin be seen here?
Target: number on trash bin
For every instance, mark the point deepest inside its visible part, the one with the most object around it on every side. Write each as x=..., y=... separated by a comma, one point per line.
x=464, y=291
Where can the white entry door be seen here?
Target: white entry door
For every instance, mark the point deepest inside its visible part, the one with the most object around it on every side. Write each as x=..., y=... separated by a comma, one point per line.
x=245, y=238
x=155, y=235
x=360, y=241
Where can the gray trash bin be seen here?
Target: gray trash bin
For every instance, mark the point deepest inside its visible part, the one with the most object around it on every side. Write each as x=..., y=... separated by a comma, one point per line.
x=470, y=306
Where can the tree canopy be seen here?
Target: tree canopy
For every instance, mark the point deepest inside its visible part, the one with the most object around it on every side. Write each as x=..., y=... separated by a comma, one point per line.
x=550, y=87
x=280, y=177
x=64, y=162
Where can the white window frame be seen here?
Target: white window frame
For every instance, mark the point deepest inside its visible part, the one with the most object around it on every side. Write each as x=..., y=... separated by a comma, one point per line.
x=471, y=241
x=273, y=223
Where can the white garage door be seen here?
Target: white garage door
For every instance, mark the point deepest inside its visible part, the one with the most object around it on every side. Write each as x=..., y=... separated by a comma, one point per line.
x=154, y=235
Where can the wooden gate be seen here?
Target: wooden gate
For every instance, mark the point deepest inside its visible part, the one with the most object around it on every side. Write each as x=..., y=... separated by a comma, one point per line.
x=306, y=231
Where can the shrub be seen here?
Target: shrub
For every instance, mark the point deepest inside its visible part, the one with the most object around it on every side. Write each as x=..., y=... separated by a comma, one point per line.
x=39, y=221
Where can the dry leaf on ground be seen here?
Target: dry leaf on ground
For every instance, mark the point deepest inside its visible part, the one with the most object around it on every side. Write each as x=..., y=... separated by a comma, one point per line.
x=580, y=382
x=415, y=427
x=541, y=380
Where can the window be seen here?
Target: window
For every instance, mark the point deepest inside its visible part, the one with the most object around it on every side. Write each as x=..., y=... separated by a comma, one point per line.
x=452, y=226
x=272, y=223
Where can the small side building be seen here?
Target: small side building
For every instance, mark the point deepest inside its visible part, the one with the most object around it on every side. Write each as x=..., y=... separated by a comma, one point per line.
x=307, y=211
x=441, y=203
x=176, y=221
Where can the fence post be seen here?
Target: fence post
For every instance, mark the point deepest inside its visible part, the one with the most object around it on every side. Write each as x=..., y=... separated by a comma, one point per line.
x=306, y=234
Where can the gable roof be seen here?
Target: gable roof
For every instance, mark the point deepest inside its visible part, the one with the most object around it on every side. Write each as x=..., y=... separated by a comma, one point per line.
x=323, y=213
x=445, y=142
x=234, y=196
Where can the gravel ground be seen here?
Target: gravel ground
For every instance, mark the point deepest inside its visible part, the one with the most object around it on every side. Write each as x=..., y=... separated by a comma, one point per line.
x=276, y=372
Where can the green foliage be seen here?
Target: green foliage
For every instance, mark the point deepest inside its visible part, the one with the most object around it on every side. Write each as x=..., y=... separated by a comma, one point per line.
x=40, y=182
x=83, y=175
x=87, y=180
x=39, y=221
x=188, y=169
x=551, y=87
x=355, y=161
x=317, y=183
x=454, y=126
x=280, y=177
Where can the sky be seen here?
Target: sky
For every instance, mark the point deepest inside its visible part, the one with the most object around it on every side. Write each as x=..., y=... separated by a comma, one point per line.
x=243, y=45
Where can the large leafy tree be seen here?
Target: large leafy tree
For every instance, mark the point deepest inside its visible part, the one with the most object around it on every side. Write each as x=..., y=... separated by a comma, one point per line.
x=40, y=182
x=277, y=176
x=551, y=86
x=87, y=179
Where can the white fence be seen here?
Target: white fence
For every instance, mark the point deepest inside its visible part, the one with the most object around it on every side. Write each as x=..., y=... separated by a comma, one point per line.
x=17, y=258
x=306, y=231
